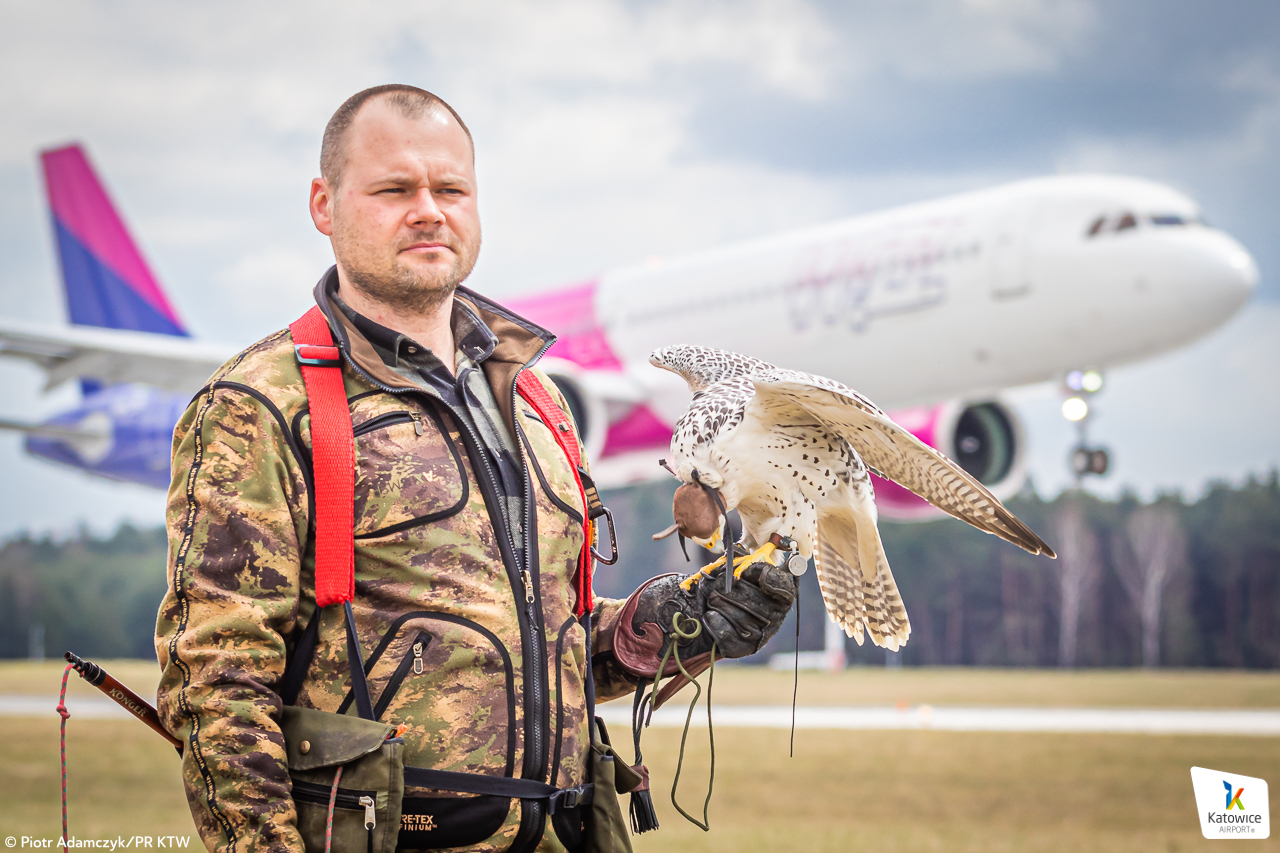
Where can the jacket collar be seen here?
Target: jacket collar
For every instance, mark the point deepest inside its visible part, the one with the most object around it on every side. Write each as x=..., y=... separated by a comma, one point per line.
x=517, y=343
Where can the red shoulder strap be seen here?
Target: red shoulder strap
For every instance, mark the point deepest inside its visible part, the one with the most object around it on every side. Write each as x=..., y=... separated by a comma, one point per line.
x=333, y=458
x=558, y=422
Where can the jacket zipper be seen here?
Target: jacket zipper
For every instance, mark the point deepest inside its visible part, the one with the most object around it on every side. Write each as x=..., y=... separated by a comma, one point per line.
x=390, y=419
x=537, y=641
x=412, y=658
x=535, y=670
x=535, y=645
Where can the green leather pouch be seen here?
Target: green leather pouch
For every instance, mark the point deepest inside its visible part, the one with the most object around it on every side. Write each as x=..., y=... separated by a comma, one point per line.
x=366, y=813
x=606, y=826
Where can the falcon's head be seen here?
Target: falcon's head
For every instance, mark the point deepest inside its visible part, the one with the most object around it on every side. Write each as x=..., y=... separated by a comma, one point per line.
x=696, y=514
x=703, y=366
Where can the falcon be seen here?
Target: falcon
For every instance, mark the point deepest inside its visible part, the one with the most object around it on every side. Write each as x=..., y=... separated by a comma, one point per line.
x=792, y=452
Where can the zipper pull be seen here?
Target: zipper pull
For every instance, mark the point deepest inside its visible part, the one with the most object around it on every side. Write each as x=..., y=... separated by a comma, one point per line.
x=528, y=586
x=417, y=658
x=370, y=821
x=417, y=422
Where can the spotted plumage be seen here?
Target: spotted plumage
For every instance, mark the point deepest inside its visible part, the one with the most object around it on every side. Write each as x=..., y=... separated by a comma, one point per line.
x=793, y=452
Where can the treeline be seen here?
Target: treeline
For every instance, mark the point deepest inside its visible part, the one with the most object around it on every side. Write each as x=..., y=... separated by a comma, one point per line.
x=95, y=596
x=1165, y=583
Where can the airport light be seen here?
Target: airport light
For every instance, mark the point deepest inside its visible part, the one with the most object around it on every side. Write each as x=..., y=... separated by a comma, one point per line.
x=1075, y=409
x=1084, y=381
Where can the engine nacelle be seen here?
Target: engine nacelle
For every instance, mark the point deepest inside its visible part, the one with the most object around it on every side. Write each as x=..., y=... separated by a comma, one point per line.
x=984, y=438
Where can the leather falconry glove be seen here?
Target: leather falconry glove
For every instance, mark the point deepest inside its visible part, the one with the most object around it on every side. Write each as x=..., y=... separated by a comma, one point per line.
x=740, y=622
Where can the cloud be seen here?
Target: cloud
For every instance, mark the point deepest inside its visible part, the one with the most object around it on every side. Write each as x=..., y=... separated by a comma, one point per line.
x=610, y=130
x=207, y=135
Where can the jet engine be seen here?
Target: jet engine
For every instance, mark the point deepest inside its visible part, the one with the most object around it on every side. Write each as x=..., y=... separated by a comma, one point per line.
x=595, y=399
x=983, y=437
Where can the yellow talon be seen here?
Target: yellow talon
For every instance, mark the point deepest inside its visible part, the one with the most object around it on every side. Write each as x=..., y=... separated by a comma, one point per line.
x=763, y=554
x=691, y=581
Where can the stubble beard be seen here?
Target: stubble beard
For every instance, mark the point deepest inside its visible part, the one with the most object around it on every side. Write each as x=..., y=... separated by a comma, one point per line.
x=399, y=286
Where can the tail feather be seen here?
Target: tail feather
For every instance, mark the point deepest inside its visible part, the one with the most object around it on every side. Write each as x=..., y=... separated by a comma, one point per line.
x=858, y=598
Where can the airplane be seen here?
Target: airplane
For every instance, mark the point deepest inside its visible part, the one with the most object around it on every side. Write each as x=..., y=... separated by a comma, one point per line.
x=933, y=310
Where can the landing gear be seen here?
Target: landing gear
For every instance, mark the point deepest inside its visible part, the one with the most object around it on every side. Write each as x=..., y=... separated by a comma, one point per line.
x=1084, y=461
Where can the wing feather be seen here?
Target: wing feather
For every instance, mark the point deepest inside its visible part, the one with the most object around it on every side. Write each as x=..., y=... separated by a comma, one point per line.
x=789, y=396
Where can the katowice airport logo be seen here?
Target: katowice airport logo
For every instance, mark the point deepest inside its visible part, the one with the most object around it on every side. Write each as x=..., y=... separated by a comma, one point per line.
x=1231, y=805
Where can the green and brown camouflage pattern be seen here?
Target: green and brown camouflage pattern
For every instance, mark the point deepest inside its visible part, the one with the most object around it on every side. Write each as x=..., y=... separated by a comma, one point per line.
x=241, y=587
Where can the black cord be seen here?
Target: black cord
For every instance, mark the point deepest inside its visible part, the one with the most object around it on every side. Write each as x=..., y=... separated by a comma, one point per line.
x=795, y=687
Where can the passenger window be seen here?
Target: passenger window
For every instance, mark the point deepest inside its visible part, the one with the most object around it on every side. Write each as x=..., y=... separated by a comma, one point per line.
x=1167, y=219
x=1127, y=221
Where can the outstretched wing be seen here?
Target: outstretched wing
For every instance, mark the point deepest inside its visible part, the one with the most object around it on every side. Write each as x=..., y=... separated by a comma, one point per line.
x=789, y=396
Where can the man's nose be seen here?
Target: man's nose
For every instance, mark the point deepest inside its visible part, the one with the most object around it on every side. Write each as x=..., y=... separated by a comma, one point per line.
x=424, y=210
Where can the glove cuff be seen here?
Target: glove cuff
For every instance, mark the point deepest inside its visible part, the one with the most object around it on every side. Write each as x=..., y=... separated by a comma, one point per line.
x=640, y=651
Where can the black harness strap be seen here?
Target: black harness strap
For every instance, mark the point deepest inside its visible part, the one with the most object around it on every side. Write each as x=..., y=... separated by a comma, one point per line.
x=448, y=780
x=299, y=662
x=355, y=662
x=730, y=535
x=499, y=786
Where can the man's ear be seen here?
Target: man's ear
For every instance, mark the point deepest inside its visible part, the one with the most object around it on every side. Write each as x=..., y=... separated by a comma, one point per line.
x=322, y=206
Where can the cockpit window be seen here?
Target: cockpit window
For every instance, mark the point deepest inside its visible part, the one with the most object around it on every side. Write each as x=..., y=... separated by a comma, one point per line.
x=1112, y=224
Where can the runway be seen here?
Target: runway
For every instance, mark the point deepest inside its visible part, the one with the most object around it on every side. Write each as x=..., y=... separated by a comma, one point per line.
x=1152, y=721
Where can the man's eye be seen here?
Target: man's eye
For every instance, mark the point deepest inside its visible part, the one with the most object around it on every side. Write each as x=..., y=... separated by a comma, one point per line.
x=393, y=190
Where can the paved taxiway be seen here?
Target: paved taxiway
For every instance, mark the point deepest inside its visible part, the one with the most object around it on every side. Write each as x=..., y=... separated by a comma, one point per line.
x=1156, y=721
x=972, y=719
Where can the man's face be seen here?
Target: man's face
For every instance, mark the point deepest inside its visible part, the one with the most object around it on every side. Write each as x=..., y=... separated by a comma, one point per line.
x=403, y=219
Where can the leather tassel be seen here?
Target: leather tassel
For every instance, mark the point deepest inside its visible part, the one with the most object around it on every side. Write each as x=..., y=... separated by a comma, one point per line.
x=643, y=817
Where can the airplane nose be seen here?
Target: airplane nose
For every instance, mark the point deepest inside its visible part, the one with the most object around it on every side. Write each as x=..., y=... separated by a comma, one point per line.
x=1235, y=273
x=1243, y=267
x=1217, y=275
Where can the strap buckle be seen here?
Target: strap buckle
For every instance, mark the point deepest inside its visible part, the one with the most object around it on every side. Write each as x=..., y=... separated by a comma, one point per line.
x=570, y=798
x=595, y=509
x=318, y=356
x=613, y=540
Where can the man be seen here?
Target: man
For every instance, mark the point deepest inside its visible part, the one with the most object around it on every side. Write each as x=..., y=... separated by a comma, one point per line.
x=467, y=522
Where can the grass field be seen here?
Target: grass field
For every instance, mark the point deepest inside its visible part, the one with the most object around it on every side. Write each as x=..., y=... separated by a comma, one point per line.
x=843, y=791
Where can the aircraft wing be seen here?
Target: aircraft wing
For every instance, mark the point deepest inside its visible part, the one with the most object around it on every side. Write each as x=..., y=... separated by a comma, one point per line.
x=112, y=355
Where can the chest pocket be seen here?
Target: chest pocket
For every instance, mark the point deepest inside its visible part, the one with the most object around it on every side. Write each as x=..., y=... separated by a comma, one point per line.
x=550, y=465
x=409, y=469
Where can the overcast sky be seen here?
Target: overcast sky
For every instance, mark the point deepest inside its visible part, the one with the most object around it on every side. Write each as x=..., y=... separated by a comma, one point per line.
x=611, y=131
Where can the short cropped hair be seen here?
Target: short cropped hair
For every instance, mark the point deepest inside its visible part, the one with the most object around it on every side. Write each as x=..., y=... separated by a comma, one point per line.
x=409, y=101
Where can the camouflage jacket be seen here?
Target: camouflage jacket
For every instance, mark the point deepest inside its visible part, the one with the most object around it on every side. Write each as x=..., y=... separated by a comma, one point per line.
x=485, y=681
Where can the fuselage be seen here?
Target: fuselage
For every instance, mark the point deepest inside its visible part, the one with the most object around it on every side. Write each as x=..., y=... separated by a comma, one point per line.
x=959, y=297
x=953, y=299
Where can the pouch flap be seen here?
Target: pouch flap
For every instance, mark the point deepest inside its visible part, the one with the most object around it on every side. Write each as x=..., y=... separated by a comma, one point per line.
x=625, y=778
x=319, y=739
